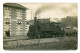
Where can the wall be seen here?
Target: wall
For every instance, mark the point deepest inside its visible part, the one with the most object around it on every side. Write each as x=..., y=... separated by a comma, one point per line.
x=14, y=15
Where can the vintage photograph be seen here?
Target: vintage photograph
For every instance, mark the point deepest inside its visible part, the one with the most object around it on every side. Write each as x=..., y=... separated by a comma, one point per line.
x=40, y=26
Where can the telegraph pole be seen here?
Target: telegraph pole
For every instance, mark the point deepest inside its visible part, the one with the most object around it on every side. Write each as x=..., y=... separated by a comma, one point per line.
x=36, y=29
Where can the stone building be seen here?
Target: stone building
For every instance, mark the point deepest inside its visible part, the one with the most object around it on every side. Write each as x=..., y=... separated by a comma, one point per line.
x=14, y=19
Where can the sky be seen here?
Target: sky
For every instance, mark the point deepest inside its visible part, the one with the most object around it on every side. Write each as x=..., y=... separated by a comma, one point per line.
x=50, y=10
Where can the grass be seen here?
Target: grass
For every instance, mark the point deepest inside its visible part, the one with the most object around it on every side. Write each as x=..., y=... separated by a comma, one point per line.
x=63, y=44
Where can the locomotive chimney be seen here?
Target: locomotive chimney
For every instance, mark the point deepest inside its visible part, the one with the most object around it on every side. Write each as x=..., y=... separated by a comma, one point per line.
x=35, y=20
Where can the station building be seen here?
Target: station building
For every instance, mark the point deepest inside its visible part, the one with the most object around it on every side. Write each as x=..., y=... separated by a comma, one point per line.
x=14, y=19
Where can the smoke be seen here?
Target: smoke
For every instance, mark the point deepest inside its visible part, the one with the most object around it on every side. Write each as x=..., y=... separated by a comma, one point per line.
x=67, y=9
x=44, y=8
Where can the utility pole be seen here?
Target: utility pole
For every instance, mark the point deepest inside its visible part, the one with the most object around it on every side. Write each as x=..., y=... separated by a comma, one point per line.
x=38, y=35
x=36, y=29
x=39, y=39
x=31, y=14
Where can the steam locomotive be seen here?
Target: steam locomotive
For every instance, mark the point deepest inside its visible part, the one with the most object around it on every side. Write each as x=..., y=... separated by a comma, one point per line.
x=44, y=29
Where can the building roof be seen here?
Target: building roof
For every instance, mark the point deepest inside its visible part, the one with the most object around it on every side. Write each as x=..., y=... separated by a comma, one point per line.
x=15, y=5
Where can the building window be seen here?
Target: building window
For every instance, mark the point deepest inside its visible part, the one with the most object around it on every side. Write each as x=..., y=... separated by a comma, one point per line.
x=4, y=8
x=7, y=12
x=19, y=14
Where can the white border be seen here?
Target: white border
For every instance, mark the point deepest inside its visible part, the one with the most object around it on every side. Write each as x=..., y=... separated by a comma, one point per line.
x=37, y=1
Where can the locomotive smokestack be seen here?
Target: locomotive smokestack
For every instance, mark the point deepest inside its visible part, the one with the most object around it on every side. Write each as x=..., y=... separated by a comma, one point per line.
x=35, y=20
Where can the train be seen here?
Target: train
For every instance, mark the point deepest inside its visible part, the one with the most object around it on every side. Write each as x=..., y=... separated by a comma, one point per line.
x=44, y=29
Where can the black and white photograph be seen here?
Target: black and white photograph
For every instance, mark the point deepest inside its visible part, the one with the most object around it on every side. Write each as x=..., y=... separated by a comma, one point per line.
x=40, y=26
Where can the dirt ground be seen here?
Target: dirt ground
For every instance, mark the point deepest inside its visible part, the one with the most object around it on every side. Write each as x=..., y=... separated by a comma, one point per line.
x=69, y=43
